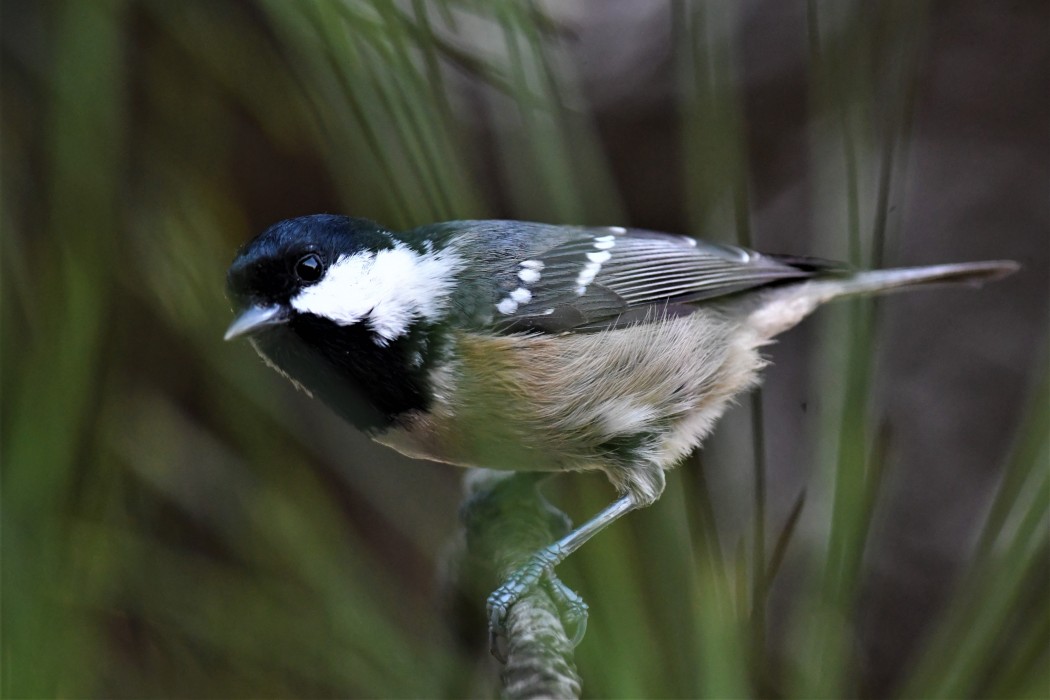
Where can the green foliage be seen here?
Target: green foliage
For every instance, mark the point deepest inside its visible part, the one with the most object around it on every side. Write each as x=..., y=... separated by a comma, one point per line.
x=177, y=522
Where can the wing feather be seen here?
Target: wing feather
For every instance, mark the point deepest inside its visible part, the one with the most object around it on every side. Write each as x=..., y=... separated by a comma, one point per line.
x=598, y=278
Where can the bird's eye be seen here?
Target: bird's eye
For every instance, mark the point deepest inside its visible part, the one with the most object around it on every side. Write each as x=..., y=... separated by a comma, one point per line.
x=309, y=268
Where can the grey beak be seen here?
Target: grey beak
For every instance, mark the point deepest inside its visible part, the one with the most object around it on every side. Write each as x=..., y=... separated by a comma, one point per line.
x=255, y=317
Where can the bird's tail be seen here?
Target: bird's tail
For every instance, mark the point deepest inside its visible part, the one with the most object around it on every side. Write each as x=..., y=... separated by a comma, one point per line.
x=881, y=281
x=783, y=307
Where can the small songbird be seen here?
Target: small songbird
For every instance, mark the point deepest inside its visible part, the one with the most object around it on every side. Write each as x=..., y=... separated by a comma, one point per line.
x=526, y=346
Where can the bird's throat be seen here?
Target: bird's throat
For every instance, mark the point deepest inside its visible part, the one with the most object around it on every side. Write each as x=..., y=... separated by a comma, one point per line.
x=369, y=383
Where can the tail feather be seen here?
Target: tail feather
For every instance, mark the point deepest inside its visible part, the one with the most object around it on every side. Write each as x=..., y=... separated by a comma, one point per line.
x=882, y=281
x=783, y=307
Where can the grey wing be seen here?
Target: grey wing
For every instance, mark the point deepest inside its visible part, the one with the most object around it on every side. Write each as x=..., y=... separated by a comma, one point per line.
x=608, y=277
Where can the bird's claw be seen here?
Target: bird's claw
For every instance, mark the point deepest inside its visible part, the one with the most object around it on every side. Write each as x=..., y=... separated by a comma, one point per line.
x=502, y=599
x=572, y=607
x=497, y=629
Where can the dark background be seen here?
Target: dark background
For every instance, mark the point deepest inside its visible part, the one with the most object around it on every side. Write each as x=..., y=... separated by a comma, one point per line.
x=179, y=522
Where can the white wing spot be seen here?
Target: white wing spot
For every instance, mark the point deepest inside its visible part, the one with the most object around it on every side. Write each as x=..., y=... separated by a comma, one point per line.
x=587, y=274
x=617, y=229
x=521, y=295
x=605, y=239
x=599, y=257
x=536, y=265
x=604, y=245
x=528, y=275
x=507, y=306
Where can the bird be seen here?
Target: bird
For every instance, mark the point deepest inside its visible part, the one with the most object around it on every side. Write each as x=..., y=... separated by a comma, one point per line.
x=533, y=347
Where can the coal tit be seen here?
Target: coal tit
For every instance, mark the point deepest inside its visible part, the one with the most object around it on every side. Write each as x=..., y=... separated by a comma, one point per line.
x=525, y=346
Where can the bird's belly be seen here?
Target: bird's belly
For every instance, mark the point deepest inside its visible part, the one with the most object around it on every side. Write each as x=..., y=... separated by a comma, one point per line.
x=609, y=400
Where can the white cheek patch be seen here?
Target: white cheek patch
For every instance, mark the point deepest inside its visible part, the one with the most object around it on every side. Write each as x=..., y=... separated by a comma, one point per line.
x=389, y=290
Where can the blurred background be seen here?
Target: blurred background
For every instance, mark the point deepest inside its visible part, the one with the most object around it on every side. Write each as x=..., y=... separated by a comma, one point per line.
x=178, y=522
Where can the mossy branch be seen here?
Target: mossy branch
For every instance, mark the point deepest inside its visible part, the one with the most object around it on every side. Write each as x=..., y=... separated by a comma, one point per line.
x=506, y=520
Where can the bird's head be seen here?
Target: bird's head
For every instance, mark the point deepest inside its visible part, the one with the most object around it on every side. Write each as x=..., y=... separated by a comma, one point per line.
x=344, y=307
x=315, y=265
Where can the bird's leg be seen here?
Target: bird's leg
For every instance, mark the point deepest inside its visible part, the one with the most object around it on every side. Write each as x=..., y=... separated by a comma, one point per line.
x=541, y=564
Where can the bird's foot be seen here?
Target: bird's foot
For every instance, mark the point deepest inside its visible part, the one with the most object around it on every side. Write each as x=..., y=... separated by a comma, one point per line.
x=571, y=605
x=539, y=569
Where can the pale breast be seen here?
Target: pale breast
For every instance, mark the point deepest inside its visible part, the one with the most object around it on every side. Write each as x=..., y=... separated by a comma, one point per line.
x=608, y=400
